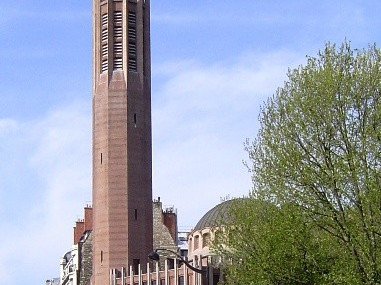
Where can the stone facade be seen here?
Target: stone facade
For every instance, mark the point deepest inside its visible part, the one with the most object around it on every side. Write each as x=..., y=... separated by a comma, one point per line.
x=162, y=237
x=163, y=233
x=86, y=259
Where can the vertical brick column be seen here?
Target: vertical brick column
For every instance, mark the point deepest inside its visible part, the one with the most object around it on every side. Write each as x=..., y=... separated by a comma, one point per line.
x=122, y=144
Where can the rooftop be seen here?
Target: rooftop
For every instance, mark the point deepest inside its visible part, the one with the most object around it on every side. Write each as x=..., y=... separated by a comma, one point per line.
x=215, y=216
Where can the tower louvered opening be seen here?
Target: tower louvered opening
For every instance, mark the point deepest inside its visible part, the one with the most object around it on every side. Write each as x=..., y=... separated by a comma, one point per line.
x=118, y=40
x=104, y=43
x=132, y=51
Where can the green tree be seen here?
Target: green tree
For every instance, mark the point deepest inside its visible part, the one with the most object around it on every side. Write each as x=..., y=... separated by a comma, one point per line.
x=319, y=148
x=268, y=244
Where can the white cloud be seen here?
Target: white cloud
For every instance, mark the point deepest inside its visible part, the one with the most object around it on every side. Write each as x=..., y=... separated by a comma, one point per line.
x=201, y=117
x=7, y=126
x=58, y=150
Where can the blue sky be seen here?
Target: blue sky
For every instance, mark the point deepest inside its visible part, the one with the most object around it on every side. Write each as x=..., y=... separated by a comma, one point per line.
x=213, y=62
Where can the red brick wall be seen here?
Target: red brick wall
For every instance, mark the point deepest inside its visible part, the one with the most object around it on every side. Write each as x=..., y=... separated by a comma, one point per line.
x=79, y=229
x=88, y=218
x=170, y=221
x=122, y=148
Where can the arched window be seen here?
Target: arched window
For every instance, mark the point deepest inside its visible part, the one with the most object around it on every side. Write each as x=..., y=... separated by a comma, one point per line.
x=205, y=239
x=196, y=242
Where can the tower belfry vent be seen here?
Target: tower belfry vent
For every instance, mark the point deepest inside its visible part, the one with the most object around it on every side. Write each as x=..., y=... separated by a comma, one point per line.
x=118, y=40
x=132, y=51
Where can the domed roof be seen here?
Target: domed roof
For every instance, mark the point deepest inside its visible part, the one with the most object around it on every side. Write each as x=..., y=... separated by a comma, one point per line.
x=215, y=216
x=67, y=256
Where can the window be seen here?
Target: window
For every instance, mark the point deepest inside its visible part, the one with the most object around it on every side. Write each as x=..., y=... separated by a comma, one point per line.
x=184, y=252
x=205, y=239
x=171, y=263
x=195, y=261
x=196, y=242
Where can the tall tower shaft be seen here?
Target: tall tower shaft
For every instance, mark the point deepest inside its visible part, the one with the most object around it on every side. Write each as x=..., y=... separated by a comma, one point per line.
x=122, y=147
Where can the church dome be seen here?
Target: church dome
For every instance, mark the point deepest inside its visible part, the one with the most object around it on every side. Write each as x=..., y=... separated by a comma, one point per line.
x=215, y=216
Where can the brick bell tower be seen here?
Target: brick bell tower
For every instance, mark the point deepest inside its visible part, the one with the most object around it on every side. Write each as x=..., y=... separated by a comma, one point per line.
x=122, y=148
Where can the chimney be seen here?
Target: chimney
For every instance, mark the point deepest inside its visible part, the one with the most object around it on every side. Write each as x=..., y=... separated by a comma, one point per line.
x=170, y=221
x=88, y=218
x=79, y=229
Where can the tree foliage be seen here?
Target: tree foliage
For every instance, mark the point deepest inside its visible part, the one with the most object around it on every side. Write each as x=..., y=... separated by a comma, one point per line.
x=319, y=151
x=266, y=244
